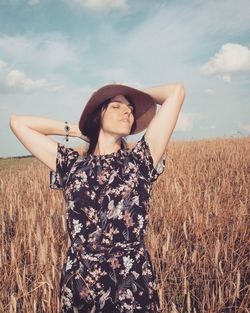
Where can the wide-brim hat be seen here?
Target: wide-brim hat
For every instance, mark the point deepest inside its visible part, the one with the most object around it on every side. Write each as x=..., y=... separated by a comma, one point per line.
x=145, y=105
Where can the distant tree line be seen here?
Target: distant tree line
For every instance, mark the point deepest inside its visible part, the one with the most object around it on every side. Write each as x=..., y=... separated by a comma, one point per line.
x=17, y=157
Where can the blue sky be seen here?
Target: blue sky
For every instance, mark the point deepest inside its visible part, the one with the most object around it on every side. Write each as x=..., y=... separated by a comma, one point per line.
x=54, y=54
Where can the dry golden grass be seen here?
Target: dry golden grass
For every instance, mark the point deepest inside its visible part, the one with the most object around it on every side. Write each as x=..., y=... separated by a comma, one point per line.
x=197, y=232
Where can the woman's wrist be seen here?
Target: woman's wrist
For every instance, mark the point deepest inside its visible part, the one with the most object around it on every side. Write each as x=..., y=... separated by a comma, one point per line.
x=161, y=92
x=74, y=131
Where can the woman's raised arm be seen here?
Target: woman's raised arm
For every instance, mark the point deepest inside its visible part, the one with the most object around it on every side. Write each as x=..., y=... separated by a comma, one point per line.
x=33, y=131
x=160, y=129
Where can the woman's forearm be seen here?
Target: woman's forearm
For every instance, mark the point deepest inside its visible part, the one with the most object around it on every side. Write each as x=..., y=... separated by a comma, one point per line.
x=46, y=126
x=161, y=92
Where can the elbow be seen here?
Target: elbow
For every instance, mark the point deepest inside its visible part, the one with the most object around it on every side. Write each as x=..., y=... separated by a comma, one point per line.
x=13, y=120
x=180, y=89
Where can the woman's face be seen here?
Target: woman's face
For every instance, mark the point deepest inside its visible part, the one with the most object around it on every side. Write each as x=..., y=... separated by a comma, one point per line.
x=118, y=118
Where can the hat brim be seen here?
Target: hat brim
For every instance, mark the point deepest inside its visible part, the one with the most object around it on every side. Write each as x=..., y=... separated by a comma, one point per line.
x=144, y=111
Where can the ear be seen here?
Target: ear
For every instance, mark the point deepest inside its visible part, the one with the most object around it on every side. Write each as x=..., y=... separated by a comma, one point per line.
x=103, y=110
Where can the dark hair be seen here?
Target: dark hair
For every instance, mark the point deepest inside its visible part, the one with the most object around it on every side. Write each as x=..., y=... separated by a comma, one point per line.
x=93, y=125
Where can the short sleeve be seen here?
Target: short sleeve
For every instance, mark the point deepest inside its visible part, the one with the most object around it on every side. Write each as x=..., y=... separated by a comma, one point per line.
x=65, y=159
x=142, y=154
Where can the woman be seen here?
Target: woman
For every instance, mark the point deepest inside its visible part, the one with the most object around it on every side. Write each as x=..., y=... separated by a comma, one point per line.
x=107, y=192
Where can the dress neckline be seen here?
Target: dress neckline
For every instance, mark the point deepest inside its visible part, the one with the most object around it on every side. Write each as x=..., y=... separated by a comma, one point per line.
x=108, y=155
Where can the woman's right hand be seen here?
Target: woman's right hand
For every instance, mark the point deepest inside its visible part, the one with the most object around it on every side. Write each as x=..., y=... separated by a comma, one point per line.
x=33, y=131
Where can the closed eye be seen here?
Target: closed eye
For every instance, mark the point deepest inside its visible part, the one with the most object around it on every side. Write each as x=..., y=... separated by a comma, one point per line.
x=118, y=106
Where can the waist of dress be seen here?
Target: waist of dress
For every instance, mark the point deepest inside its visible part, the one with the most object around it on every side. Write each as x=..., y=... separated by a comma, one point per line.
x=116, y=249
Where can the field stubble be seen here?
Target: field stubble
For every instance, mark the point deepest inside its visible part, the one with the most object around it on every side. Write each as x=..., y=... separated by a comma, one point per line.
x=197, y=233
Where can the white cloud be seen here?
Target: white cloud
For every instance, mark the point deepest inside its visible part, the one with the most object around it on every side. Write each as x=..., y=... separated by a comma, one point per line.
x=19, y=80
x=3, y=64
x=99, y=5
x=43, y=56
x=245, y=127
x=33, y=2
x=45, y=52
x=172, y=36
x=208, y=127
x=226, y=78
x=230, y=58
x=209, y=91
x=186, y=120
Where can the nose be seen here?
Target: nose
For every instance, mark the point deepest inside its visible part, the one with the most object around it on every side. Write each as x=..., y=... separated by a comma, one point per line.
x=127, y=110
x=127, y=114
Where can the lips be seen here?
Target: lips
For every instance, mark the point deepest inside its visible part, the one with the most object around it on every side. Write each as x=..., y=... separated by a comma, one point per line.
x=125, y=120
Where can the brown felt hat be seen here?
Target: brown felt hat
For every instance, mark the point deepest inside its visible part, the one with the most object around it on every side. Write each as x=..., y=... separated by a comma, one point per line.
x=145, y=106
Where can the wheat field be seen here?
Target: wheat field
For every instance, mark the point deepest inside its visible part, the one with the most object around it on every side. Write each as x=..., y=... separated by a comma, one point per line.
x=197, y=234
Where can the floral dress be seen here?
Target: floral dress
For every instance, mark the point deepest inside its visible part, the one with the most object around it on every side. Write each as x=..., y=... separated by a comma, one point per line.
x=107, y=268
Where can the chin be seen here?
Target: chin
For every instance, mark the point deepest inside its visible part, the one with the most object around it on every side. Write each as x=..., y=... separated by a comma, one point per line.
x=124, y=134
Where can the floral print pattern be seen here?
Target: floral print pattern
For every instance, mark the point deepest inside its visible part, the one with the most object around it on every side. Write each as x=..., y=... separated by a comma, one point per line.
x=107, y=269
